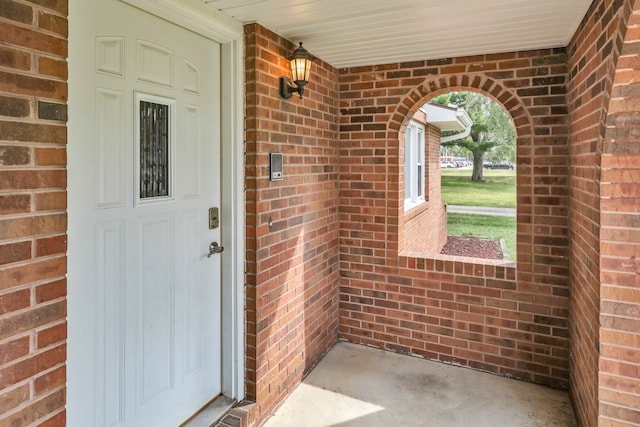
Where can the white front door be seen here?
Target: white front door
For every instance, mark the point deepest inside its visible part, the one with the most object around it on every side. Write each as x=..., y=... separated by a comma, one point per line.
x=144, y=170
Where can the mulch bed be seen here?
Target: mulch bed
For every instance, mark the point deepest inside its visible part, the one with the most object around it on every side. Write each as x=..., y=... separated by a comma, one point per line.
x=472, y=247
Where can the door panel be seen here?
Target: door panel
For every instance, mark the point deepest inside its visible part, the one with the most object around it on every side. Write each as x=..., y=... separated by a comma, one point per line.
x=110, y=321
x=155, y=358
x=110, y=140
x=144, y=298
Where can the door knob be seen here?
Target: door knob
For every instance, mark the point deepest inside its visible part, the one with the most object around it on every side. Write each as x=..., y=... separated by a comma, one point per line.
x=215, y=248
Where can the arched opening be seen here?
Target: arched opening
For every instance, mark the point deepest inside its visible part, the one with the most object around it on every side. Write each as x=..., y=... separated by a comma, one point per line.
x=466, y=142
x=433, y=217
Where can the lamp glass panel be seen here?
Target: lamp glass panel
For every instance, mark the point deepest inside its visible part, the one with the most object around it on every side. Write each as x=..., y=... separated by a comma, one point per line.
x=300, y=69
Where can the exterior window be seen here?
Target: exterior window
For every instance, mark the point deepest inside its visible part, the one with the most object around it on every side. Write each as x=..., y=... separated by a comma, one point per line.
x=414, y=165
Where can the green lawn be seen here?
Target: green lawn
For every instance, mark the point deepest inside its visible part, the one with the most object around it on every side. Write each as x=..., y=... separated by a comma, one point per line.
x=497, y=190
x=494, y=227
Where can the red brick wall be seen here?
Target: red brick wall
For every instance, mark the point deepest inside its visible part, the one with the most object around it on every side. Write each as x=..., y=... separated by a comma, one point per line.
x=292, y=275
x=494, y=317
x=489, y=316
x=33, y=92
x=619, y=373
x=423, y=229
x=592, y=55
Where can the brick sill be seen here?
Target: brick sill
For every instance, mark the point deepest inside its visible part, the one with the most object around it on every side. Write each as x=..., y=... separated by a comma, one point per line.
x=455, y=264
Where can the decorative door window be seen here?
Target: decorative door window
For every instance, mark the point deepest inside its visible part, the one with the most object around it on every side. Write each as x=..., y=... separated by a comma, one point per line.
x=154, y=147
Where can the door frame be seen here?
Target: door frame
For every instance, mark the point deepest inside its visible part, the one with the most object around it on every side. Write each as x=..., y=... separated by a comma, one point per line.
x=205, y=21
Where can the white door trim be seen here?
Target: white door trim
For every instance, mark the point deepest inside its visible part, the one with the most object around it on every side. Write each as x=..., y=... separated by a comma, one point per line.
x=194, y=15
x=233, y=217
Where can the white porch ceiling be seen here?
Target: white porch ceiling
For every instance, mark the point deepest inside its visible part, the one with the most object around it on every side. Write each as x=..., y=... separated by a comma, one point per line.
x=347, y=33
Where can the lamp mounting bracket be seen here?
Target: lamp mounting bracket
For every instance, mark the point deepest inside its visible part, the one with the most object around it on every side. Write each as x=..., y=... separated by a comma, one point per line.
x=288, y=88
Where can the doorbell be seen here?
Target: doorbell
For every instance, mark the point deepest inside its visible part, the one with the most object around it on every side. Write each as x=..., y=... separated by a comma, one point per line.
x=275, y=165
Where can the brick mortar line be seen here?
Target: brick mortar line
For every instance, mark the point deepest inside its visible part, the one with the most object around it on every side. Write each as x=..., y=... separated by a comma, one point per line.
x=33, y=191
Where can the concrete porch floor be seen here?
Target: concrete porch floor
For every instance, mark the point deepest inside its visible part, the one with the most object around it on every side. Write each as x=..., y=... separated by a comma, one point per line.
x=360, y=386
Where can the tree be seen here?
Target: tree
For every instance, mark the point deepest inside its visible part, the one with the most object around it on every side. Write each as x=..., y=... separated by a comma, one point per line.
x=492, y=131
x=502, y=130
x=477, y=143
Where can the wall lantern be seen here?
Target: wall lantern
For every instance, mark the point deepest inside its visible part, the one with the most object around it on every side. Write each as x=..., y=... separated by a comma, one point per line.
x=300, y=60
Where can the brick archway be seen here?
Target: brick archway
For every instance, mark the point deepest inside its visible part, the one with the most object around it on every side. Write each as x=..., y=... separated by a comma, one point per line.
x=491, y=88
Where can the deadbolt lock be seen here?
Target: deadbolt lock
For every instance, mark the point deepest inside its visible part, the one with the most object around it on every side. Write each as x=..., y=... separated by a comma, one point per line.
x=214, y=218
